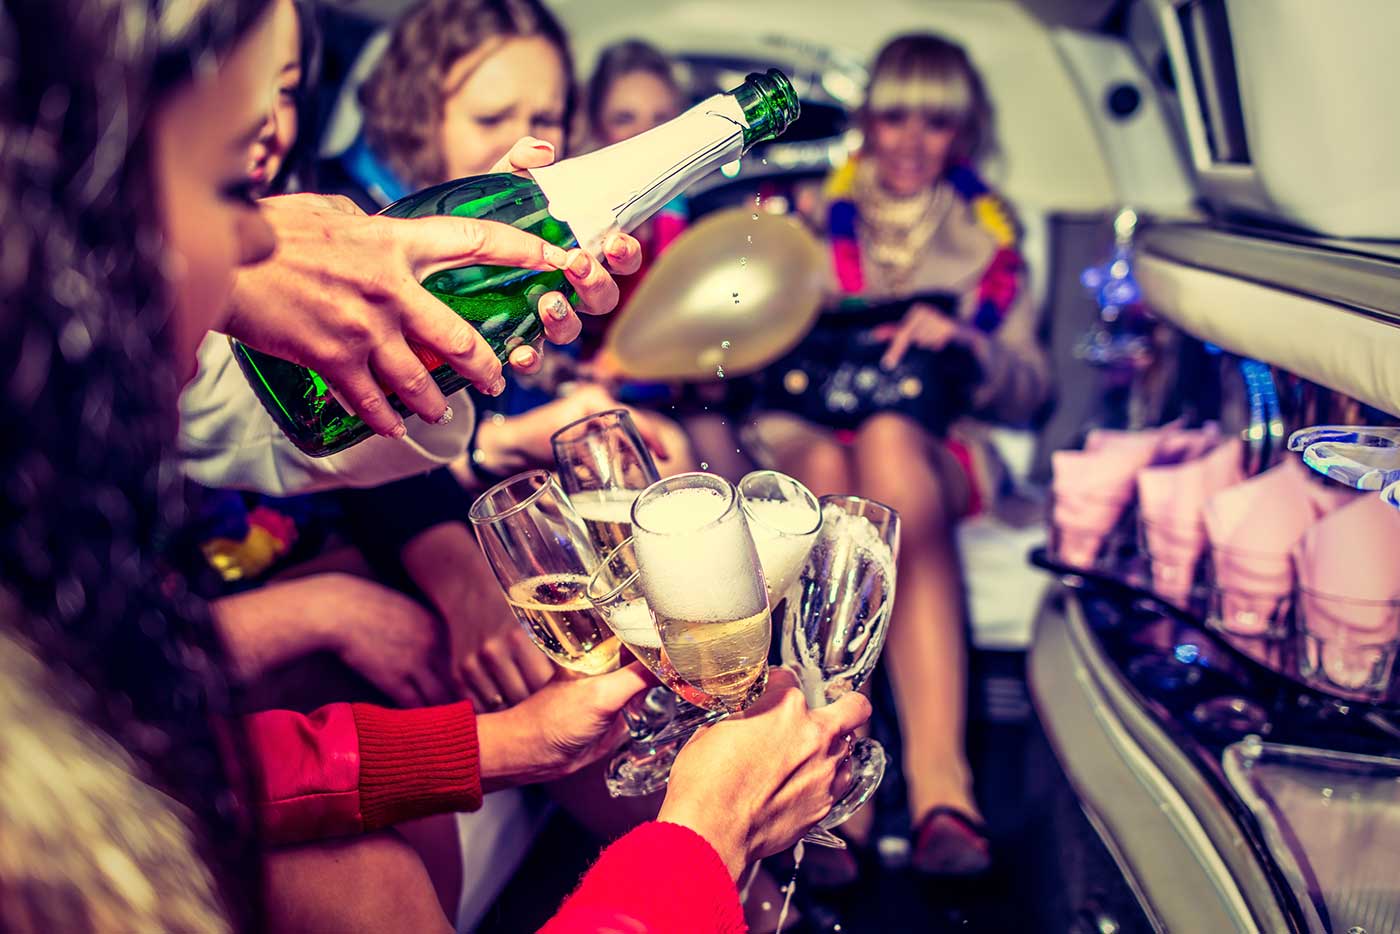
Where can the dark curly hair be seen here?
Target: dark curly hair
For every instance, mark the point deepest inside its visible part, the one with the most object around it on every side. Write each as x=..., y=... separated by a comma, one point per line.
x=403, y=99
x=88, y=390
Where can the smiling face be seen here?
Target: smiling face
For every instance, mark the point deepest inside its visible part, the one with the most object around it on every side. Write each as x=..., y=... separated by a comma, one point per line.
x=269, y=151
x=925, y=108
x=910, y=148
x=634, y=103
x=507, y=89
x=201, y=137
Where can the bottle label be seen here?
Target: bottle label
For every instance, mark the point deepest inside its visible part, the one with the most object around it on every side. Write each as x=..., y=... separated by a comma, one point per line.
x=430, y=360
x=619, y=187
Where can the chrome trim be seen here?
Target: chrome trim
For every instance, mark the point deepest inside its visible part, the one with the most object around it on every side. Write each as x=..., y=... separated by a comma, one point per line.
x=1170, y=834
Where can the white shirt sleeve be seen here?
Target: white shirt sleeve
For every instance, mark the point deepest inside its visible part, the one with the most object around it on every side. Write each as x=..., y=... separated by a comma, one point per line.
x=228, y=440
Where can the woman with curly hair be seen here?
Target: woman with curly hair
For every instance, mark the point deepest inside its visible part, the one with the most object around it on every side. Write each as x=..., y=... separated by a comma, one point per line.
x=458, y=84
x=126, y=209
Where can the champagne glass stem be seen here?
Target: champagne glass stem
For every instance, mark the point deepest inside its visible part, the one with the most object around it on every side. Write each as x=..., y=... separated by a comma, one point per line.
x=819, y=836
x=648, y=714
x=687, y=720
x=868, y=768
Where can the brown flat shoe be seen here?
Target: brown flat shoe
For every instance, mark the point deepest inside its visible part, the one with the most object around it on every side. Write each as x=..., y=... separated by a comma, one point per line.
x=949, y=842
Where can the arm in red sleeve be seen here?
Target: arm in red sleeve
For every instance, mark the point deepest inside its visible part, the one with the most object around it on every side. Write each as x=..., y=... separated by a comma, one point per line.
x=355, y=768
x=659, y=879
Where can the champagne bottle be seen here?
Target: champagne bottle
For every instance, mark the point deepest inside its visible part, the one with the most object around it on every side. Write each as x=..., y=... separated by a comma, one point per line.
x=576, y=202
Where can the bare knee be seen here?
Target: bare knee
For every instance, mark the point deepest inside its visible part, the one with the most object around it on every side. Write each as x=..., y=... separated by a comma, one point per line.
x=370, y=883
x=896, y=465
x=824, y=467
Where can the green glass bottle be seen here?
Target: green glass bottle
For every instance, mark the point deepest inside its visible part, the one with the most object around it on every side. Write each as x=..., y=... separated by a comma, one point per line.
x=577, y=202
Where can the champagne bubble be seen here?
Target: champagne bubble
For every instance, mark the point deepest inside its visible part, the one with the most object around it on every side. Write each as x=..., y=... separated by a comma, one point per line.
x=704, y=465
x=751, y=238
x=724, y=345
x=719, y=371
x=755, y=217
x=743, y=261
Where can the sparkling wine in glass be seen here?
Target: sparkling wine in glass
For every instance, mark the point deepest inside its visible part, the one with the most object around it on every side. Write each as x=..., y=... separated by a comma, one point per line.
x=616, y=590
x=603, y=464
x=542, y=555
x=701, y=575
x=834, y=624
x=784, y=519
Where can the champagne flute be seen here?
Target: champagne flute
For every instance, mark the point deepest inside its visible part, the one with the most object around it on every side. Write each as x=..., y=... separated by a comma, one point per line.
x=834, y=625
x=784, y=518
x=542, y=555
x=603, y=464
x=700, y=572
x=645, y=765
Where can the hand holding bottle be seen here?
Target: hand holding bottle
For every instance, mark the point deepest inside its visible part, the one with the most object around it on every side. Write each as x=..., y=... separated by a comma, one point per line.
x=498, y=284
x=623, y=252
x=341, y=295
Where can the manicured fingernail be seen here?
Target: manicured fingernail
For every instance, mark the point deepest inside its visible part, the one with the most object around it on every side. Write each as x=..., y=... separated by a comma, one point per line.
x=497, y=386
x=614, y=245
x=556, y=256
x=581, y=263
x=559, y=309
x=399, y=431
x=527, y=358
x=542, y=145
x=445, y=418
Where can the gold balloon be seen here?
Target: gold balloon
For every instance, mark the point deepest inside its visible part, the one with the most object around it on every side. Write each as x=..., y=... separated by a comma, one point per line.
x=730, y=296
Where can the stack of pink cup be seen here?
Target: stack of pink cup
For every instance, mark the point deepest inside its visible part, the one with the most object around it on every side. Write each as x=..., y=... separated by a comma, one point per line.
x=1092, y=487
x=1171, y=507
x=1252, y=528
x=1349, y=598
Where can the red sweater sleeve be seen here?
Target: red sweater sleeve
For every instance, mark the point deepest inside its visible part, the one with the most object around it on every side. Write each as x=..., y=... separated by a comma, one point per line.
x=355, y=768
x=659, y=879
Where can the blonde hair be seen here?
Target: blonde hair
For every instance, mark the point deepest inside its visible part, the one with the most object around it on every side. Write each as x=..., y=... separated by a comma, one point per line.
x=89, y=846
x=929, y=74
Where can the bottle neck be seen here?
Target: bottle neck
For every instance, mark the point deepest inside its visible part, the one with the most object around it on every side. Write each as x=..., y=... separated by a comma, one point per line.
x=769, y=104
x=619, y=187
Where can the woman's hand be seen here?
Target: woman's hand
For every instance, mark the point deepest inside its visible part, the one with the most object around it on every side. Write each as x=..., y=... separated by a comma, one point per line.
x=382, y=634
x=523, y=441
x=505, y=669
x=570, y=723
x=342, y=295
x=391, y=640
x=753, y=784
x=622, y=252
x=494, y=662
x=922, y=326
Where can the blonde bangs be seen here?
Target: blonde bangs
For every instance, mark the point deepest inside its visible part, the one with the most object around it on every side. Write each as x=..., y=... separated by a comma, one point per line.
x=946, y=91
